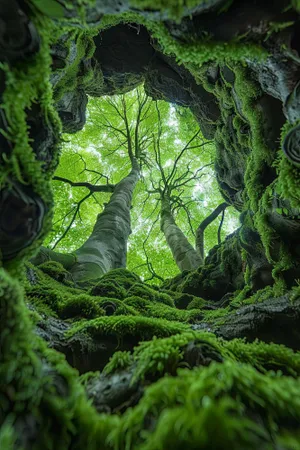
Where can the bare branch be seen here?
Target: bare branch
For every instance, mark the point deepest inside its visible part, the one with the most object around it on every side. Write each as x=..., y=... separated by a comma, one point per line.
x=91, y=187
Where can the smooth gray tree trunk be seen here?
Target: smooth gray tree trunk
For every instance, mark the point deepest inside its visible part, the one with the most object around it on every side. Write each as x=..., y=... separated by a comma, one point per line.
x=106, y=247
x=183, y=252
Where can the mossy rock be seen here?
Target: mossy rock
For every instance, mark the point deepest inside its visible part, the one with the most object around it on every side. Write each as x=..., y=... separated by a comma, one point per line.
x=56, y=270
x=108, y=289
x=122, y=277
x=81, y=306
x=183, y=301
x=159, y=310
x=146, y=292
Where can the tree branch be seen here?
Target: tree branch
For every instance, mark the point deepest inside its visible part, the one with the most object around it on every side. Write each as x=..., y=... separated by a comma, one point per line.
x=91, y=187
x=204, y=224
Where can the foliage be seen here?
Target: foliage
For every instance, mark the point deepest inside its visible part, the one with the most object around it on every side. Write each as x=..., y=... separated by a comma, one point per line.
x=99, y=154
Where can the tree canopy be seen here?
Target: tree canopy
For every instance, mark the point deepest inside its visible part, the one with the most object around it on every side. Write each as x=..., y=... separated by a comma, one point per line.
x=97, y=158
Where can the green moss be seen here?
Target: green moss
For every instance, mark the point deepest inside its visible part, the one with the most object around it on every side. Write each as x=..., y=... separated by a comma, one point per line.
x=119, y=361
x=161, y=356
x=55, y=270
x=288, y=174
x=86, y=377
x=108, y=289
x=196, y=303
x=142, y=328
x=144, y=291
x=52, y=298
x=296, y=4
x=35, y=379
x=121, y=277
x=265, y=357
x=154, y=309
x=121, y=307
x=242, y=298
x=194, y=53
x=194, y=411
x=217, y=316
x=187, y=301
x=74, y=76
x=81, y=306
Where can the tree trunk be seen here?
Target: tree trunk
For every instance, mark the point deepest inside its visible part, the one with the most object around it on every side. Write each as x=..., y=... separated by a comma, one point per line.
x=106, y=248
x=183, y=252
x=204, y=224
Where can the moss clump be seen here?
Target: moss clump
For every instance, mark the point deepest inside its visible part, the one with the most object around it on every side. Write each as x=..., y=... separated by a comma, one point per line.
x=144, y=291
x=52, y=298
x=243, y=409
x=120, y=307
x=158, y=310
x=265, y=357
x=141, y=328
x=161, y=356
x=196, y=303
x=121, y=277
x=119, y=361
x=55, y=270
x=86, y=377
x=288, y=174
x=35, y=379
x=108, y=289
x=186, y=301
x=80, y=306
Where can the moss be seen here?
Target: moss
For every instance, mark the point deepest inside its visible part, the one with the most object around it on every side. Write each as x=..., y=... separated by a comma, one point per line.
x=158, y=310
x=194, y=53
x=142, y=328
x=166, y=355
x=229, y=405
x=80, y=47
x=108, y=289
x=86, y=377
x=184, y=301
x=7, y=435
x=217, y=316
x=265, y=357
x=296, y=4
x=119, y=361
x=121, y=307
x=196, y=303
x=161, y=356
x=121, y=277
x=35, y=379
x=242, y=298
x=193, y=411
x=288, y=174
x=52, y=298
x=55, y=270
x=81, y=306
x=144, y=291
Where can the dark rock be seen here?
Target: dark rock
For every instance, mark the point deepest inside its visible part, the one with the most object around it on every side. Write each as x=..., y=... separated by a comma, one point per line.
x=114, y=393
x=275, y=320
x=18, y=36
x=21, y=221
x=71, y=109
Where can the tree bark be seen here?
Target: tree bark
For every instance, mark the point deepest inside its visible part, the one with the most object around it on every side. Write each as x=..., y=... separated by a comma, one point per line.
x=204, y=224
x=183, y=252
x=106, y=248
